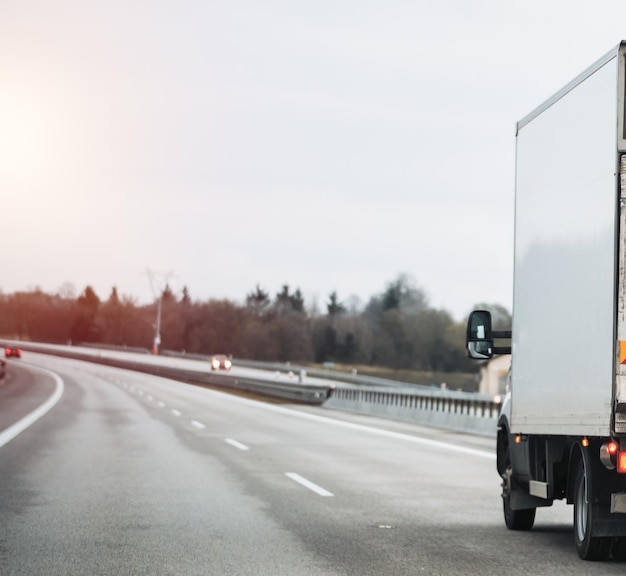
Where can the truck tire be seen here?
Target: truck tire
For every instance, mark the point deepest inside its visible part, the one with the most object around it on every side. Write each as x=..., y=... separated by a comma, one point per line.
x=588, y=547
x=517, y=519
x=618, y=549
x=514, y=519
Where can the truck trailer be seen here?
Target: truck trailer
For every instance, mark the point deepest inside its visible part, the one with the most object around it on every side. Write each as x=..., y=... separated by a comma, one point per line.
x=562, y=426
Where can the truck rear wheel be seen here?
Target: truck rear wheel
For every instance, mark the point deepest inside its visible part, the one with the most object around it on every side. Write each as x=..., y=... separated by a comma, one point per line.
x=587, y=546
x=618, y=549
x=517, y=519
x=514, y=519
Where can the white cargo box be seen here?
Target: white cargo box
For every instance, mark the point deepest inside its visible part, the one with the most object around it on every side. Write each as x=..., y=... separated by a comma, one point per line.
x=568, y=287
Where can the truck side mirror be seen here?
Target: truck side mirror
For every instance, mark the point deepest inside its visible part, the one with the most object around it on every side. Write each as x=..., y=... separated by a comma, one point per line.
x=479, y=341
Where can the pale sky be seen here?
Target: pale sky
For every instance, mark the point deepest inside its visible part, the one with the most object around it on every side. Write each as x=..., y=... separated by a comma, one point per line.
x=328, y=145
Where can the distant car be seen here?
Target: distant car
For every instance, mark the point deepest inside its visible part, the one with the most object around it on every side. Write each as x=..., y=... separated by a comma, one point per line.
x=220, y=362
x=12, y=352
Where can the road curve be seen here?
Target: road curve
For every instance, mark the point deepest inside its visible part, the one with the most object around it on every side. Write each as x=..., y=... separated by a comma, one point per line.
x=133, y=474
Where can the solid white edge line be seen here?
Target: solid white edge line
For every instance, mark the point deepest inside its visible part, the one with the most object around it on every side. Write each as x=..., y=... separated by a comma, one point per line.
x=308, y=484
x=21, y=425
x=197, y=424
x=236, y=444
x=360, y=427
x=369, y=429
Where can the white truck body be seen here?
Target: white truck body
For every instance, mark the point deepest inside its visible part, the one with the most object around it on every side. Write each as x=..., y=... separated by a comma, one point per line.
x=562, y=427
x=566, y=258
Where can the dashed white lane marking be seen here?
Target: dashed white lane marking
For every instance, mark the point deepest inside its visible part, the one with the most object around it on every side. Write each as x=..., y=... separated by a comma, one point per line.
x=438, y=444
x=176, y=412
x=236, y=444
x=140, y=392
x=21, y=425
x=308, y=484
x=161, y=404
x=197, y=424
x=149, y=397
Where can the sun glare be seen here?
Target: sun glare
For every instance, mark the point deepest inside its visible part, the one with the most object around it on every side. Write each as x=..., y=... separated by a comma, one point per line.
x=28, y=130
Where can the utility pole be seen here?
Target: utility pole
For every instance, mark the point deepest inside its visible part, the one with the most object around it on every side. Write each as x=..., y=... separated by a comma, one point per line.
x=157, y=327
x=158, y=296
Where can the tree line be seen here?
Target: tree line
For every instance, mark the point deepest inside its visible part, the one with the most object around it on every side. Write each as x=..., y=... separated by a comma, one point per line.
x=397, y=328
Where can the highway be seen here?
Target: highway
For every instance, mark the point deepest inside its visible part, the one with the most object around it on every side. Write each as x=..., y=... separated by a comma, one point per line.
x=130, y=474
x=180, y=362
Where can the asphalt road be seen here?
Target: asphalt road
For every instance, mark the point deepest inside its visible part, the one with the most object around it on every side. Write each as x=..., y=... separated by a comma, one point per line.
x=131, y=474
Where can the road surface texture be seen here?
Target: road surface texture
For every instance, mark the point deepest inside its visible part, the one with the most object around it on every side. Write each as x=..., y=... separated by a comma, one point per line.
x=129, y=474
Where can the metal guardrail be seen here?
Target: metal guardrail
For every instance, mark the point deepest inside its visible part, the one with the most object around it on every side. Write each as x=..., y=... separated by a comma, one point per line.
x=285, y=368
x=463, y=411
x=455, y=410
x=452, y=403
x=466, y=412
x=313, y=394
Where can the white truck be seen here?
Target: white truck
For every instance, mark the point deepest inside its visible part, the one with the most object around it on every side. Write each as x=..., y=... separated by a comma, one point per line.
x=562, y=427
